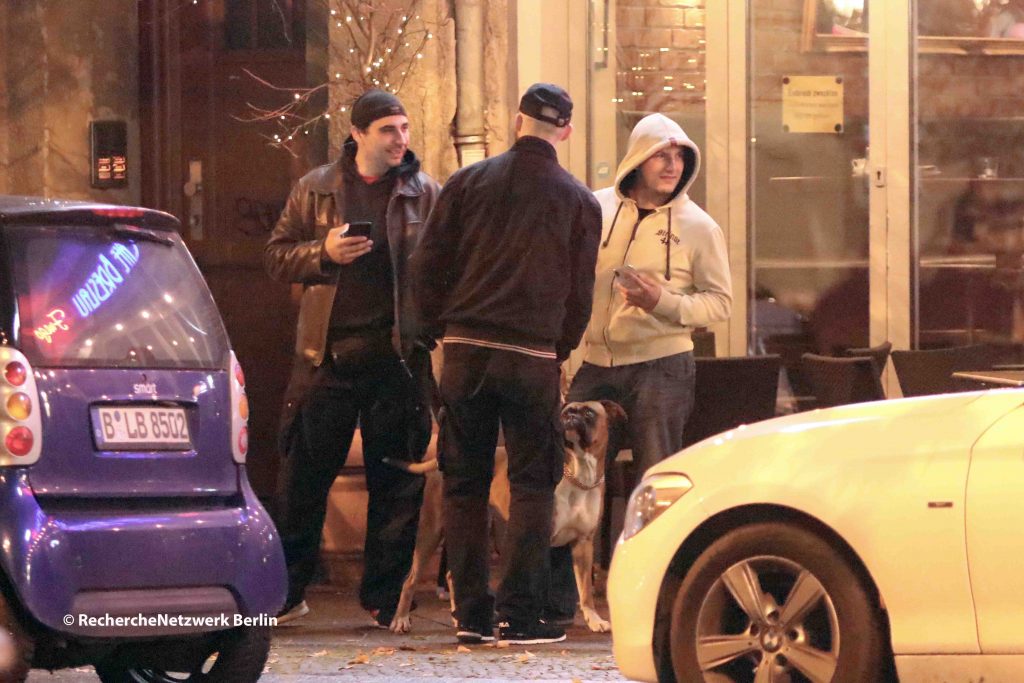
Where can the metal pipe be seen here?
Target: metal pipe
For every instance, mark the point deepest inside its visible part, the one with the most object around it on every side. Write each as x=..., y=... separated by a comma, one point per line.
x=470, y=132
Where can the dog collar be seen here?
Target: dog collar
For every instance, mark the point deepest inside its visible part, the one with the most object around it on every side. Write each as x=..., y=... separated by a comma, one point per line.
x=577, y=483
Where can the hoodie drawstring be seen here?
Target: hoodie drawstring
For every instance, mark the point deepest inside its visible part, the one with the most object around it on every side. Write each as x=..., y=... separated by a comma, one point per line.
x=668, y=247
x=612, y=228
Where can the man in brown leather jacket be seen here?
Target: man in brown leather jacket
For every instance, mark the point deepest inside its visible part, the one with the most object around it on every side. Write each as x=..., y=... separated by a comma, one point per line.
x=359, y=353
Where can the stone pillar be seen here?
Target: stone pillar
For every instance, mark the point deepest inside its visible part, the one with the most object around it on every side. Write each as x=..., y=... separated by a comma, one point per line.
x=67, y=63
x=470, y=136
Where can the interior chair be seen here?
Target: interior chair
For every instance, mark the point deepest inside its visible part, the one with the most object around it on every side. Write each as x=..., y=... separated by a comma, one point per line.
x=879, y=354
x=930, y=371
x=839, y=381
x=790, y=347
x=703, y=343
x=732, y=391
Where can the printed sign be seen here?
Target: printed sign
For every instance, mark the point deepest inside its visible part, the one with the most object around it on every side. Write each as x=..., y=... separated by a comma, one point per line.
x=812, y=104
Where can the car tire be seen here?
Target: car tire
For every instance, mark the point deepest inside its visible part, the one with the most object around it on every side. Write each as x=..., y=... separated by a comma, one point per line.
x=16, y=646
x=241, y=655
x=813, y=618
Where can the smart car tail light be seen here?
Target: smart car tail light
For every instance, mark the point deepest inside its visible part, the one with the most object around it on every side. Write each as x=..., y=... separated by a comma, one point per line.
x=20, y=422
x=239, y=412
x=15, y=373
x=18, y=441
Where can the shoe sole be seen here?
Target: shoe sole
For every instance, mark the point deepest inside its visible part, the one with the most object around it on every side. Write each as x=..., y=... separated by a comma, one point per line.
x=530, y=641
x=297, y=612
x=473, y=638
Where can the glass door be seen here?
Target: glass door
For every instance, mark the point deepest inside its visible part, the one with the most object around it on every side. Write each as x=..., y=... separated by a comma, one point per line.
x=968, y=282
x=809, y=182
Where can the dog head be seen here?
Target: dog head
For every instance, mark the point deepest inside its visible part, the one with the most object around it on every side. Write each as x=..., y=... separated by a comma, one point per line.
x=588, y=424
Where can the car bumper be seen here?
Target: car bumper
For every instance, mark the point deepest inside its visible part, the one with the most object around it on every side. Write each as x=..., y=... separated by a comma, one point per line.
x=116, y=572
x=634, y=583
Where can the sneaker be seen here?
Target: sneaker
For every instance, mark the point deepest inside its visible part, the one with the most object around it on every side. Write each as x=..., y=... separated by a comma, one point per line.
x=527, y=633
x=474, y=635
x=292, y=611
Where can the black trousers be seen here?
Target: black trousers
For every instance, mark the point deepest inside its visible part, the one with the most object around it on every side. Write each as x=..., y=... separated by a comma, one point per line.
x=375, y=396
x=480, y=388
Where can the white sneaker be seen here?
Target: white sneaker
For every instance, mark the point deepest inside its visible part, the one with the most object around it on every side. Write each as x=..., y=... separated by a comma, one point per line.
x=297, y=611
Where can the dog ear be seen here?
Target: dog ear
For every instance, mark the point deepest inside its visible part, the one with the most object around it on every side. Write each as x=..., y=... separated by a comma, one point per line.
x=615, y=413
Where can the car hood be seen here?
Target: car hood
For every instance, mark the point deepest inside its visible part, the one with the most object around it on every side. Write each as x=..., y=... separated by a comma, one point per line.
x=850, y=436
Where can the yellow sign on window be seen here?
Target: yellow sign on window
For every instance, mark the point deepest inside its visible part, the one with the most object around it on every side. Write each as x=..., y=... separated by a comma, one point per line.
x=812, y=104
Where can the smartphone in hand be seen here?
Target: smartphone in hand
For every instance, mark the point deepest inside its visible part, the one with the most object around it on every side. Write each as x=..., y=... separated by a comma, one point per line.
x=359, y=229
x=628, y=274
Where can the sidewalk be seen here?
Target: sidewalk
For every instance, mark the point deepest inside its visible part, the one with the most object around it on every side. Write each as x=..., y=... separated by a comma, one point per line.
x=335, y=641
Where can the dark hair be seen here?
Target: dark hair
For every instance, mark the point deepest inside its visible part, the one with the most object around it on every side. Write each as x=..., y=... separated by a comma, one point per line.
x=627, y=183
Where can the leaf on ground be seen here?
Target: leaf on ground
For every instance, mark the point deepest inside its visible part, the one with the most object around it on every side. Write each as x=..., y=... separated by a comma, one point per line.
x=525, y=657
x=319, y=654
x=361, y=658
x=502, y=645
x=407, y=648
x=463, y=649
x=388, y=651
x=577, y=680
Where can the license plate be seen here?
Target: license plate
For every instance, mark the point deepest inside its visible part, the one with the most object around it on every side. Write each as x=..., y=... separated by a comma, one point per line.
x=138, y=427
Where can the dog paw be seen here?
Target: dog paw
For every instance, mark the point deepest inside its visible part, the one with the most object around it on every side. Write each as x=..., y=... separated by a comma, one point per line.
x=401, y=625
x=596, y=624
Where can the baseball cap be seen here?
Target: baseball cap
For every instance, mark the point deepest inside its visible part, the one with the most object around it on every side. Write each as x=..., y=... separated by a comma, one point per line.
x=541, y=95
x=375, y=104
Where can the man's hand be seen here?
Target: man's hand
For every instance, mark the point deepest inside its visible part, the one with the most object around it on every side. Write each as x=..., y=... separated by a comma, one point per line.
x=344, y=250
x=639, y=290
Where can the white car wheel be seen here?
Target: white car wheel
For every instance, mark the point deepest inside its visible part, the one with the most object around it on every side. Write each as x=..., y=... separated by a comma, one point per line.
x=774, y=603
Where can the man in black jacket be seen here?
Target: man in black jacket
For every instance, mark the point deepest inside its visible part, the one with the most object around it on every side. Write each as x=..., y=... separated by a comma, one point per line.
x=505, y=273
x=359, y=351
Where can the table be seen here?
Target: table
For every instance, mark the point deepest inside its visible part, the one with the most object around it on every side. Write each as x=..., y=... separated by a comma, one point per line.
x=999, y=378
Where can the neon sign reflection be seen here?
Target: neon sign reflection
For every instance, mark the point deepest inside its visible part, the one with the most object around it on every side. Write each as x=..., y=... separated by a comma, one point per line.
x=54, y=323
x=106, y=278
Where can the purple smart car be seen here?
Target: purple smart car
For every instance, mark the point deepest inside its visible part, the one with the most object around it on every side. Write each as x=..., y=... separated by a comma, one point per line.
x=129, y=536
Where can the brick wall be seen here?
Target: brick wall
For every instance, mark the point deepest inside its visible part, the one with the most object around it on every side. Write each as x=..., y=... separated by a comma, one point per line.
x=660, y=54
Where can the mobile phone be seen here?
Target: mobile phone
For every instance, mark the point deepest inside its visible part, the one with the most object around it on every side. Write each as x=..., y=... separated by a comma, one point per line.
x=359, y=229
x=626, y=271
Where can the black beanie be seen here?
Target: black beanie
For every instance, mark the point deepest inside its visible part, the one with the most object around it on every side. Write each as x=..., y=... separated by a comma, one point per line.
x=372, y=105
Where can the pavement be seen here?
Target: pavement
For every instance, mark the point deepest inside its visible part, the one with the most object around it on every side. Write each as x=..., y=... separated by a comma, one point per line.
x=336, y=640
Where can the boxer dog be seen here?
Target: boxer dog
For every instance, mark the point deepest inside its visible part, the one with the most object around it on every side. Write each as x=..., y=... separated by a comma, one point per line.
x=430, y=532
x=578, y=496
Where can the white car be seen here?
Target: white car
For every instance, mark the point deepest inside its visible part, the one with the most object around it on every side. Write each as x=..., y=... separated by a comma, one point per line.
x=843, y=545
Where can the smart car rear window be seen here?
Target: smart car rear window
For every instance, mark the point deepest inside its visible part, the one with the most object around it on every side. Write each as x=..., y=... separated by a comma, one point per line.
x=112, y=296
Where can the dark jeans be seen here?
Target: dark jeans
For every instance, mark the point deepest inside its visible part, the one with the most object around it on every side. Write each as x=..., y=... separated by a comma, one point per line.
x=481, y=387
x=375, y=395
x=657, y=397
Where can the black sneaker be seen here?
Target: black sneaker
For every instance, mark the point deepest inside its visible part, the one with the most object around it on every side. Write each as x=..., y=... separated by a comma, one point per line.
x=527, y=633
x=471, y=634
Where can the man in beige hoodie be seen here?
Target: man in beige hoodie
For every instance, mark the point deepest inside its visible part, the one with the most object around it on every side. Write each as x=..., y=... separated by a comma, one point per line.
x=662, y=270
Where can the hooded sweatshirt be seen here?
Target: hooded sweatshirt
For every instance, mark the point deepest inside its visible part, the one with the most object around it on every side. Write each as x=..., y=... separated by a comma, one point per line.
x=677, y=244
